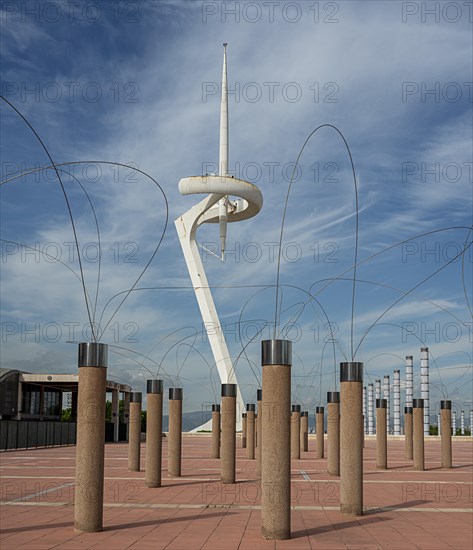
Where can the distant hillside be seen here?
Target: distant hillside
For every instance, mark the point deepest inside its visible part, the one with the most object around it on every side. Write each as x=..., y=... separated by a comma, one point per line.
x=190, y=420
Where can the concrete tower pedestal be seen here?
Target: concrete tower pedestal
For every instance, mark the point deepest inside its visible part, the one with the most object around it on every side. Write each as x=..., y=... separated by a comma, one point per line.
x=259, y=424
x=154, y=432
x=90, y=450
x=296, y=432
x=446, y=439
x=250, y=431
x=408, y=443
x=215, y=431
x=244, y=426
x=333, y=433
x=134, y=443
x=228, y=447
x=319, y=426
x=276, y=440
x=351, y=439
x=304, y=437
x=418, y=433
x=381, y=434
x=175, y=432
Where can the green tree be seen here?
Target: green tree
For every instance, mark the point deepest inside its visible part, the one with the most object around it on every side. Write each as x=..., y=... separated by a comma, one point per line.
x=66, y=415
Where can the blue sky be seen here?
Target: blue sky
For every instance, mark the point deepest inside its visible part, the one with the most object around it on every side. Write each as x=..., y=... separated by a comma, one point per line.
x=138, y=83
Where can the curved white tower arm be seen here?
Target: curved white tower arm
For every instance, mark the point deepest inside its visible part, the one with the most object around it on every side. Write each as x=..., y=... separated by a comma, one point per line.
x=216, y=207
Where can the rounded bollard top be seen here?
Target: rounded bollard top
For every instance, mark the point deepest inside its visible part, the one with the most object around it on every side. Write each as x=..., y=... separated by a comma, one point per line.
x=409, y=357
x=250, y=407
x=305, y=413
x=93, y=354
x=381, y=403
x=215, y=407
x=135, y=397
x=154, y=386
x=276, y=352
x=229, y=390
x=296, y=408
x=333, y=397
x=259, y=395
x=319, y=410
x=175, y=394
x=418, y=403
x=351, y=371
x=447, y=404
x=424, y=349
x=407, y=410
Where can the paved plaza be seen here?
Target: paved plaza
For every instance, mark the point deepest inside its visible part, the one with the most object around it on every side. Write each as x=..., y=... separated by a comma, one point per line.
x=404, y=508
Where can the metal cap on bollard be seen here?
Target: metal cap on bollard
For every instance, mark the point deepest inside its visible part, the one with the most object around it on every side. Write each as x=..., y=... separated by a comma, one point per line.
x=93, y=354
x=351, y=371
x=250, y=407
x=333, y=397
x=175, y=394
x=305, y=413
x=418, y=403
x=154, y=386
x=319, y=410
x=259, y=395
x=135, y=397
x=295, y=408
x=446, y=404
x=381, y=403
x=407, y=410
x=276, y=352
x=215, y=407
x=229, y=390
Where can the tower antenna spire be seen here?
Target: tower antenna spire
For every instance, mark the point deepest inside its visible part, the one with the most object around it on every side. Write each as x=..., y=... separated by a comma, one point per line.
x=223, y=156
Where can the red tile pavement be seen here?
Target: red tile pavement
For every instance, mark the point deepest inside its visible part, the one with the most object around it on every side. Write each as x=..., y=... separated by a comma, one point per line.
x=404, y=508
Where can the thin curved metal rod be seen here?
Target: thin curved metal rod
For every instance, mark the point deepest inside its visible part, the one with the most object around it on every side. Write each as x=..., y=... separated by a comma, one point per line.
x=365, y=281
x=409, y=291
x=53, y=165
x=463, y=278
x=421, y=341
x=160, y=367
x=98, y=235
x=418, y=236
x=48, y=256
x=71, y=217
x=356, y=223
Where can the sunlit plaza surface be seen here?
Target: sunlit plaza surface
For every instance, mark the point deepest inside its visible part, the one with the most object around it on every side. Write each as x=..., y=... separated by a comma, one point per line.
x=403, y=508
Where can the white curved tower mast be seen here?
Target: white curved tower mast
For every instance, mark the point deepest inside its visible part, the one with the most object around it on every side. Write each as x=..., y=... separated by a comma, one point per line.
x=223, y=154
x=216, y=207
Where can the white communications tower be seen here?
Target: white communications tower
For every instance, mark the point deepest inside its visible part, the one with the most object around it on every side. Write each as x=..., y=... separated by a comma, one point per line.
x=216, y=207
